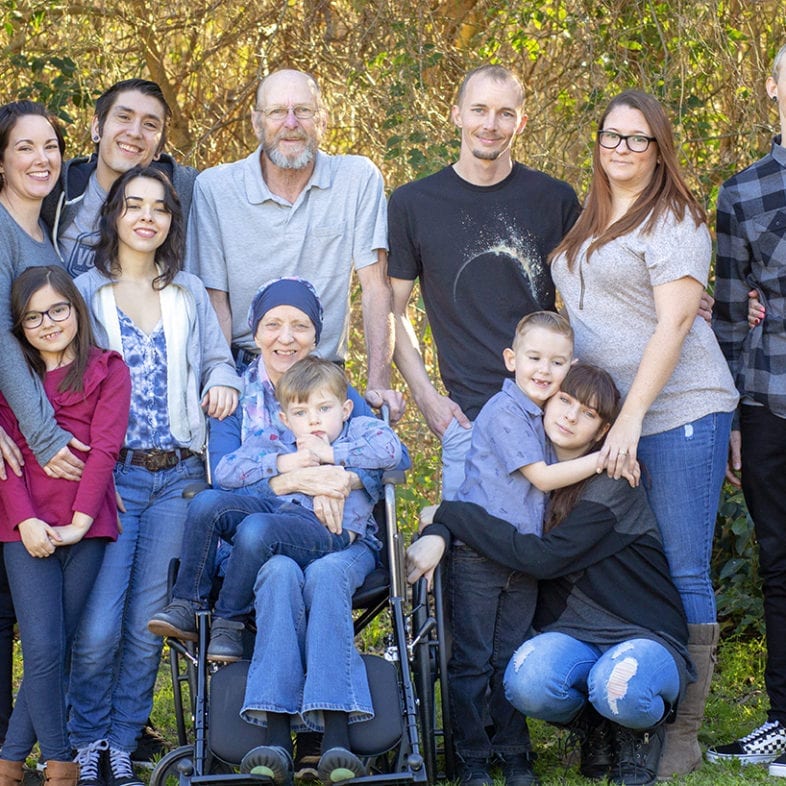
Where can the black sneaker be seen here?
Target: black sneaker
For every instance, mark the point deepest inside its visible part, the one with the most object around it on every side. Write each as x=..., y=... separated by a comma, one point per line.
x=474, y=772
x=517, y=769
x=90, y=760
x=226, y=640
x=762, y=745
x=637, y=755
x=121, y=771
x=149, y=749
x=308, y=749
x=777, y=768
x=177, y=620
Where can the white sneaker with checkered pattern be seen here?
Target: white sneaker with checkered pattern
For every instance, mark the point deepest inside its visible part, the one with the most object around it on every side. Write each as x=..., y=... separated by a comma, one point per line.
x=761, y=746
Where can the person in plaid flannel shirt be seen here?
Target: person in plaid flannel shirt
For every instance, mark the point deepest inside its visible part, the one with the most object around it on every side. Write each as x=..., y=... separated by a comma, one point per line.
x=751, y=229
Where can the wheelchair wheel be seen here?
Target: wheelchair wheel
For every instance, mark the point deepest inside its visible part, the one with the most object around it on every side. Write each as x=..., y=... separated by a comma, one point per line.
x=177, y=767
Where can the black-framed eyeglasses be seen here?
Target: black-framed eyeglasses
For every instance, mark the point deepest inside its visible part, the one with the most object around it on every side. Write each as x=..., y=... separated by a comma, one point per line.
x=637, y=143
x=280, y=113
x=59, y=312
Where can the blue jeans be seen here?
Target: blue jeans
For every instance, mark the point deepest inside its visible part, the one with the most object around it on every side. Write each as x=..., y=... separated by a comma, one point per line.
x=115, y=658
x=7, y=622
x=553, y=675
x=293, y=531
x=305, y=659
x=683, y=471
x=212, y=515
x=49, y=595
x=455, y=446
x=491, y=609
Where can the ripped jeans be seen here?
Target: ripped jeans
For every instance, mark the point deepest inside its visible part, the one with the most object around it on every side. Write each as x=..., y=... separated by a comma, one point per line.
x=552, y=675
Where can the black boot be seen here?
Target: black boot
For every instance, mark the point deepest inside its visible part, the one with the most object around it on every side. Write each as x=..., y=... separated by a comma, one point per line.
x=595, y=736
x=637, y=754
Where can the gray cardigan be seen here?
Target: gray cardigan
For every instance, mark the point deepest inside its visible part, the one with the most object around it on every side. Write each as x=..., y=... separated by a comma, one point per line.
x=208, y=355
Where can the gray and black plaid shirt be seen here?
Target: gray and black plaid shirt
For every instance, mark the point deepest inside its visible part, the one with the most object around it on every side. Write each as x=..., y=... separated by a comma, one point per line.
x=751, y=228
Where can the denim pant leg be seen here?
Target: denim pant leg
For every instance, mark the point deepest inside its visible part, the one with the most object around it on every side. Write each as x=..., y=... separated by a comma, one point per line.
x=276, y=674
x=212, y=514
x=514, y=620
x=547, y=676
x=476, y=586
x=7, y=622
x=132, y=586
x=683, y=474
x=50, y=595
x=634, y=683
x=455, y=446
x=764, y=485
x=335, y=673
x=293, y=532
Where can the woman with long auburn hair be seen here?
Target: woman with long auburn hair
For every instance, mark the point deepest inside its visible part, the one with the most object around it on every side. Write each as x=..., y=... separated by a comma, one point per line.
x=631, y=273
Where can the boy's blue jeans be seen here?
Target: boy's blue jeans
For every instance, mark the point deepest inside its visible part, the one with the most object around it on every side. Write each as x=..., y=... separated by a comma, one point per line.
x=553, y=675
x=258, y=528
x=491, y=608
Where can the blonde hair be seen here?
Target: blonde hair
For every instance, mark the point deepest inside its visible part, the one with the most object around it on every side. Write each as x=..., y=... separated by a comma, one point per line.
x=549, y=320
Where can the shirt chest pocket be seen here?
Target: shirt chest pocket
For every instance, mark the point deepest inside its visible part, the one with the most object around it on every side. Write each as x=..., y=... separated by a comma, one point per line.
x=769, y=237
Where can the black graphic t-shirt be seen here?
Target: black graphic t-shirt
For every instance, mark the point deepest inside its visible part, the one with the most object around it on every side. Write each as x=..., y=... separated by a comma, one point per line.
x=480, y=254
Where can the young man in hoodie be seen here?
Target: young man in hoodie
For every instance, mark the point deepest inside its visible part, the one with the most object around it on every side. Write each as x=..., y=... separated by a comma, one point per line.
x=128, y=129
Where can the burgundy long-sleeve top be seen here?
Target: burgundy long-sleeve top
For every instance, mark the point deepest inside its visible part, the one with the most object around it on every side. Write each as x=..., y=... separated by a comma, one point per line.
x=96, y=415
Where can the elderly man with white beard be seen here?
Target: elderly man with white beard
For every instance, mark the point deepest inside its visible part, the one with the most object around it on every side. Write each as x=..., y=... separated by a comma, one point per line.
x=290, y=209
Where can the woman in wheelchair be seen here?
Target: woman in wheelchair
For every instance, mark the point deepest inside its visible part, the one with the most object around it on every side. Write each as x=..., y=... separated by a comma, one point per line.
x=294, y=605
x=610, y=659
x=160, y=319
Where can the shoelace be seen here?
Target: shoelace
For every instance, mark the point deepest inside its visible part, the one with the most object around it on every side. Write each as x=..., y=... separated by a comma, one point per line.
x=763, y=731
x=120, y=762
x=88, y=759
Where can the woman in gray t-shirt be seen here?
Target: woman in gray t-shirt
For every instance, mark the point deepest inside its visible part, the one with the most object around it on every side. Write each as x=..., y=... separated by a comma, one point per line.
x=631, y=273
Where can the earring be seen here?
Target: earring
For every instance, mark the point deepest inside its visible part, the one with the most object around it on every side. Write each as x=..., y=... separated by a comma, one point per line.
x=96, y=138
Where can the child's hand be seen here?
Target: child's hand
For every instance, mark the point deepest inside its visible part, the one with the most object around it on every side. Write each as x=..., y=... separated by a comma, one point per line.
x=298, y=460
x=38, y=537
x=633, y=475
x=427, y=516
x=76, y=530
x=318, y=445
x=70, y=534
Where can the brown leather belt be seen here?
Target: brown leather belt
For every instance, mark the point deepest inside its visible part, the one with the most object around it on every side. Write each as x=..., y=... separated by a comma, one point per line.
x=155, y=460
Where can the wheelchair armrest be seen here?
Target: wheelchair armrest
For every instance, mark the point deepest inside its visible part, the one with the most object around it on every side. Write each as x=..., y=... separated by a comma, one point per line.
x=396, y=477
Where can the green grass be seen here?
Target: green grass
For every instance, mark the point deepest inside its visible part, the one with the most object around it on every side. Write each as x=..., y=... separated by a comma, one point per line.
x=737, y=704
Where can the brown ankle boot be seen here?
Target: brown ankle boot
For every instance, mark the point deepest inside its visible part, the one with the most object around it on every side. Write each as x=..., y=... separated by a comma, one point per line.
x=61, y=773
x=681, y=751
x=10, y=773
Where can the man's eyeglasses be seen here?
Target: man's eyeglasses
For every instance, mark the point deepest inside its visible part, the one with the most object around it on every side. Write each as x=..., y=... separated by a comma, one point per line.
x=637, y=143
x=280, y=113
x=59, y=312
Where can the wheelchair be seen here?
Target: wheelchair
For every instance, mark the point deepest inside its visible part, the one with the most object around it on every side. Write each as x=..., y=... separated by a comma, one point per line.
x=409, y=739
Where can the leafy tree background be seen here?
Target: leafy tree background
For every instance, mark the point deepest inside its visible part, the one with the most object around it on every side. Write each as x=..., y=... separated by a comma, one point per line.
x=389, y=71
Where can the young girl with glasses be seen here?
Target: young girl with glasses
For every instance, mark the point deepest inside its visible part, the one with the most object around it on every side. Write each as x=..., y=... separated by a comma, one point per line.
x=55, y=530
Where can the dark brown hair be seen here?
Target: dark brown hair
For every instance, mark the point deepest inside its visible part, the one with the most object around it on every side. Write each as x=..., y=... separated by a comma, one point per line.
x=24, y=287
x=108, y=98
x=593, y=387
x=169, y=255
x=10, y=113
x=665, y=192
